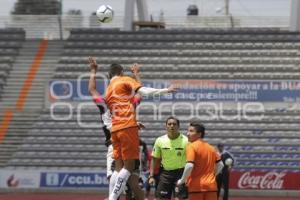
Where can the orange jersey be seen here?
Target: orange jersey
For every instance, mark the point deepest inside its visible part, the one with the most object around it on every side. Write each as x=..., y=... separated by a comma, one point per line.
x=120, y=101
x=204, y=156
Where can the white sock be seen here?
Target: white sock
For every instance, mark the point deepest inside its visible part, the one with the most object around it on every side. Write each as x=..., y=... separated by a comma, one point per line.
x=121, y=181
x=112, y=181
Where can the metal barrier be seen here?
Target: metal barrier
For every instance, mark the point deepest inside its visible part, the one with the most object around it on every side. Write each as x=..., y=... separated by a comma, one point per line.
x=48, y=26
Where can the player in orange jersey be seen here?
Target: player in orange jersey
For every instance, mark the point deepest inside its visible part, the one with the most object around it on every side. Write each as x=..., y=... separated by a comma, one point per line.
x=203, y=164
x=105, y=119
x=125, y=139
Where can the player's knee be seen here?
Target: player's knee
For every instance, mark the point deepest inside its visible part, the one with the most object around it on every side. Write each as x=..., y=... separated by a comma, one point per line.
x=136, y=167
x=132, y=165
x=137, y=164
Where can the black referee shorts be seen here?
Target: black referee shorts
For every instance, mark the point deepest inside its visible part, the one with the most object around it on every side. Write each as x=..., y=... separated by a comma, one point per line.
x=167, y=184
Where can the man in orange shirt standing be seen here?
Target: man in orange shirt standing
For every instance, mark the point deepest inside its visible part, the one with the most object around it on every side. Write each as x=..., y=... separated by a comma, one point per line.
x=124, y=135
x=203, y=164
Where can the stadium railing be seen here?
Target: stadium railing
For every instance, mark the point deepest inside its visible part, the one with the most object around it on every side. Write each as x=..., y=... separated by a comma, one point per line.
x=41, y=26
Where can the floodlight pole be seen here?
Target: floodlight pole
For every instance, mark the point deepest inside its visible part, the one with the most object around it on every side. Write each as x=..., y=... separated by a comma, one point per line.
x=226, y=7
x=227, y=13
x=142, y=10
x=295, y=16
x=129, y=13
x=60, y=19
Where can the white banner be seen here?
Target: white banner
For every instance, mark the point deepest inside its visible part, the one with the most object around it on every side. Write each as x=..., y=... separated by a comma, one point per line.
x=19, y=179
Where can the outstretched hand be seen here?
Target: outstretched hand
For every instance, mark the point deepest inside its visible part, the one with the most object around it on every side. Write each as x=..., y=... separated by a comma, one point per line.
x=173, y=88
x=135, y=68
x=93, y=64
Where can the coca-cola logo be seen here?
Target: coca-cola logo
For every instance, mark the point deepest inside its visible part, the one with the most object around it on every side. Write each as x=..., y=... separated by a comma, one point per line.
x=270, y=180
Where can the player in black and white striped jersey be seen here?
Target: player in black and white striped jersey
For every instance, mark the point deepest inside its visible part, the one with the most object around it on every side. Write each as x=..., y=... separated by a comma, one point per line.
x=223, y=177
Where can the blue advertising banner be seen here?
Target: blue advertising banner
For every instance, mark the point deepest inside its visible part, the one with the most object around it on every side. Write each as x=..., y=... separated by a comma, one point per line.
x=72, y=179
x=193, y=90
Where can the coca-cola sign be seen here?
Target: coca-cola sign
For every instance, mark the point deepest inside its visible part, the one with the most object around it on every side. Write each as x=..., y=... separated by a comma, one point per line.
x=264, y=180
x=271, y=180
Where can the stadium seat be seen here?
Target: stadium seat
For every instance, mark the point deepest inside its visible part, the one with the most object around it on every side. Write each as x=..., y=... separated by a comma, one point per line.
x=255, y=54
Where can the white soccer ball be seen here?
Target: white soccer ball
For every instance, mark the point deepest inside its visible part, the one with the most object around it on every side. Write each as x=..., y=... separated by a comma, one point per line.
x=228, y=162
x=105, y=13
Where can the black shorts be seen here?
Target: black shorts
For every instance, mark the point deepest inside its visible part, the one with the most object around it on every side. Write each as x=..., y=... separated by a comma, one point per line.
x=167, y=183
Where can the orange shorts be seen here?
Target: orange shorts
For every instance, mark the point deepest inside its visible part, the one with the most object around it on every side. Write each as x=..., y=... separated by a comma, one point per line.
x=126, y=144
x=203, y=196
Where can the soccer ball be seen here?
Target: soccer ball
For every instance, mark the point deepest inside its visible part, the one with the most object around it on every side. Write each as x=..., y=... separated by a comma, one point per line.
x=105, y=13
x=228, y=162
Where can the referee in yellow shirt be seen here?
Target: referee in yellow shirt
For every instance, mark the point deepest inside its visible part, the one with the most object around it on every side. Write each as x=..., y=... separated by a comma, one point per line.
x=170, y=148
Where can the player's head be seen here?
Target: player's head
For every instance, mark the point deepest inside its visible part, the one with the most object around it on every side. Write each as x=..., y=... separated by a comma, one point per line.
x=115, y=70
x=195, y=130
x=172, y=124
x=220, y=147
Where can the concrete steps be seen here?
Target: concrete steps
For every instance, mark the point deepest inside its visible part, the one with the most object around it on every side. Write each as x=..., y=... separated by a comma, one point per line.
x=11, y=142
x=34, y=102
x=20, y=71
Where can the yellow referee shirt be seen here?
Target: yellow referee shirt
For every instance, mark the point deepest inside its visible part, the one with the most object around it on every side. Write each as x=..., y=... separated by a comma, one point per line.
x=171, y=152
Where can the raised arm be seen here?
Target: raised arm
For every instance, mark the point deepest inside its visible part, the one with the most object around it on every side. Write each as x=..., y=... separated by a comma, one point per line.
x=148, y=91
x=104, y=113
x=92, y=81
x=135, y=69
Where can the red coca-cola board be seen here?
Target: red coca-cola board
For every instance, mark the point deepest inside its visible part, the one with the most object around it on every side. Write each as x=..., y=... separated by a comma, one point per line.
x=265, y=180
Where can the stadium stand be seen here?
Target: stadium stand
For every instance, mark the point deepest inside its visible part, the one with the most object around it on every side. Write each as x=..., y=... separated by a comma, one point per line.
x=67, y=145
x=43, y=7
x=10, y=42
x=22, y=97
x=209, y=54
x=272, y=143
x=238, y=54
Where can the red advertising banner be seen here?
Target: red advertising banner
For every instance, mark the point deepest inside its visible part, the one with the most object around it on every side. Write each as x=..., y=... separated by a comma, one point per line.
x=265, y=180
